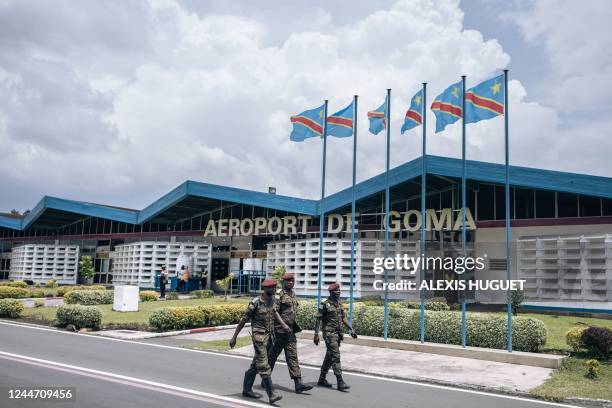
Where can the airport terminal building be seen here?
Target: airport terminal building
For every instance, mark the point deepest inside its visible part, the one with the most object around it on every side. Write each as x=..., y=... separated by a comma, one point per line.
x=561, y=234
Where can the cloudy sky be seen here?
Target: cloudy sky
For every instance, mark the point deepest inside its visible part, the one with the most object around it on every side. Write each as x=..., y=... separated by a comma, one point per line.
x=117, y=102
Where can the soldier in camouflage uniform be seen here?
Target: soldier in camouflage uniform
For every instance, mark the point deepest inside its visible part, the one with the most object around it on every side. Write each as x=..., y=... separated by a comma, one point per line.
x=288, y=307
x=262, y=313
x=330, y=318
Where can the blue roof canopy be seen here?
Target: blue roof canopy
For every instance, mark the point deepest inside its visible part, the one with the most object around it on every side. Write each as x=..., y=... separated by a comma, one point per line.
x=50, y=208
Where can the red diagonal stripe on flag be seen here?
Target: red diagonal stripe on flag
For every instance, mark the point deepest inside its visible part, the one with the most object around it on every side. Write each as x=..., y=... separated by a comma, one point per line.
x=446, y=108
x=485, y=103
x=414, y=116
x=309, y=123
x=339, y=120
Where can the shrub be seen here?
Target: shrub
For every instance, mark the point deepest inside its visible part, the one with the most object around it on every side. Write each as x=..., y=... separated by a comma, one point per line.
x=573, y=338
x=39, y=303
x=37, y=293
x=517, y=297
x=148, y=296
x=172, y=296
x=201, y=294
x=10, y=308
x=598, y=340
x=483, y=330
x=89, y=297
x=430, y=304
x=62, y=290
x=51, y=284
x=592, y=369
x=37, y=285
x=15, y=284
x=177, y=318
x=79, y=316
x=13, y=293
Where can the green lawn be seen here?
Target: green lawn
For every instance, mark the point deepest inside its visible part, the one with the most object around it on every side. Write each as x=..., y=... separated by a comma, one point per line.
x=128, y=320
x=217, y=345
x=569, y=381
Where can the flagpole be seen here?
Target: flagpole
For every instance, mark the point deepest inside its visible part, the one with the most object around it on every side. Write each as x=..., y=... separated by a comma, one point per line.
x=423, y=210
x=353, y=208
x=463, y=209
x=321, y=209
x=508, y=237
x=388, y=151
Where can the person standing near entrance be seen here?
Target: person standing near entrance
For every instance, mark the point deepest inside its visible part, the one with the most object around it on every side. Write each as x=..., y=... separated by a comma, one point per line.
x=330, y=318
x=262, y=312
x=163, y=279
x=288, y=308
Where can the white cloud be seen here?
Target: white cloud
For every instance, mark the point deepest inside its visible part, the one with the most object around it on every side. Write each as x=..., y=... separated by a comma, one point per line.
x=172, y=95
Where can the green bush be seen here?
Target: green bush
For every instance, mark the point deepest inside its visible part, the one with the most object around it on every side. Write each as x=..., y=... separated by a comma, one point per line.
x=10, y=308
x=598, y=340
x=573, y=338
x=483, y=330
x=14, y=284
x=89, y=297
x=148, y=296
x=79, y=316
x=430, y=304
x=13, y=293
x=593, y=369
x=172, y=296
x=37, y=285
x=62, y=290
x=178, y=318
x=39, y=303
x=201, y=294
x=37, y=293
x=51, y=284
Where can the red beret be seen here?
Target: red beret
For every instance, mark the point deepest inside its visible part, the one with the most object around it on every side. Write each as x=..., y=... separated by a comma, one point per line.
x=333, y=286
x=268, y=282
x=288, y=276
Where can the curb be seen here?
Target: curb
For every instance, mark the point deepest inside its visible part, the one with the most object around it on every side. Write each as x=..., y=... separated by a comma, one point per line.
x=152, y=335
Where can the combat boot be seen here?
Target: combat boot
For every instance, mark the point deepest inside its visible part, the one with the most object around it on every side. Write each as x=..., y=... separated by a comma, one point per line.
x=323, y=382
x=341, y=384
x=247, y=386
x=272, y=396
x=300, y=387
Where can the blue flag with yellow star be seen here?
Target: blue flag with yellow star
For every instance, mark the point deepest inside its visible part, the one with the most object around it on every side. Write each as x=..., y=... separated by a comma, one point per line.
x=378, y=118
x=340, y=124
x=447, y=106
x=307, y=124
x=413, y=114
x=485, y=100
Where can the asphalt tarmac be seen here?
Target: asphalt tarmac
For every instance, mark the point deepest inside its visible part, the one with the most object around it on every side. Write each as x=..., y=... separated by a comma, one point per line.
x=114, y=373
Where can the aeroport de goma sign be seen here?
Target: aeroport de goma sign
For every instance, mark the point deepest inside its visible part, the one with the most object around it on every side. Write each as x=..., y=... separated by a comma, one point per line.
x=411, y=220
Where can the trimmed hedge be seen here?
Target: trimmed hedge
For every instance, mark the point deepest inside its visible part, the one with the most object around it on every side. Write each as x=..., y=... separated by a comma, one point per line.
x=79, y=316
x=203, y=293
x=89, y=297
x=148, y=296
x=598, y=340
x=14, y=284
x=483, y=330
x=434, y=305
x=13, y=293
x=178, y=318
x=37, y=293
x=573, y=338
x=62, y=290
x=51, y=284
x=10, y=308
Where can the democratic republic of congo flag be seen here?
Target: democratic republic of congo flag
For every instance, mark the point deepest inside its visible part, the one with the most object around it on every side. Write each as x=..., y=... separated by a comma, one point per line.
x=485, y=100
x=447, y=106
x=308, y=124
x=378, y=118
x=340, y=124
x=413, y=114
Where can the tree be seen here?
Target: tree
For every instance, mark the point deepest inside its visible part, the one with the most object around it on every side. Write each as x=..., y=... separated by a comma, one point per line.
x=224, y=284
x=278, y=273
x=517, y=297
x=86, y=269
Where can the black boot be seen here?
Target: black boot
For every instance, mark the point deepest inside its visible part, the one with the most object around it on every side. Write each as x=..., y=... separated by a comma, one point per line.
x=300, y=387
x=322, y=381
x=341, y=384
x=272, y=396
x=247, y=386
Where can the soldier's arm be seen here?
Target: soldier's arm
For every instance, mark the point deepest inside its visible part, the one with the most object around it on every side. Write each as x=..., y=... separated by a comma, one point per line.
x=318, y=324
x=280, y=321
x=348, y=325
x=247, y=316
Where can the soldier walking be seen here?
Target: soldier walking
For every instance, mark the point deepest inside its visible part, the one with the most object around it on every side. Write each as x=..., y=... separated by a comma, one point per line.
x=330, y=318
x=288, y=308
x=262, y=313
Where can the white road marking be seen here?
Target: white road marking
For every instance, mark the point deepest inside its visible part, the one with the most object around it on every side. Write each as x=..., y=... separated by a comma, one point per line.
x=374, y=377
x=132, y=381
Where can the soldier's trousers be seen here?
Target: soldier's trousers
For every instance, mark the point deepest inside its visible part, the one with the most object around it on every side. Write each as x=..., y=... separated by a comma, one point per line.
x=260, y=365
x=332, y=356
x=287, y=342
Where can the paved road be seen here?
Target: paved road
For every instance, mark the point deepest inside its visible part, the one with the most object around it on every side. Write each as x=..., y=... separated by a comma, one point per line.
x=117, y=373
